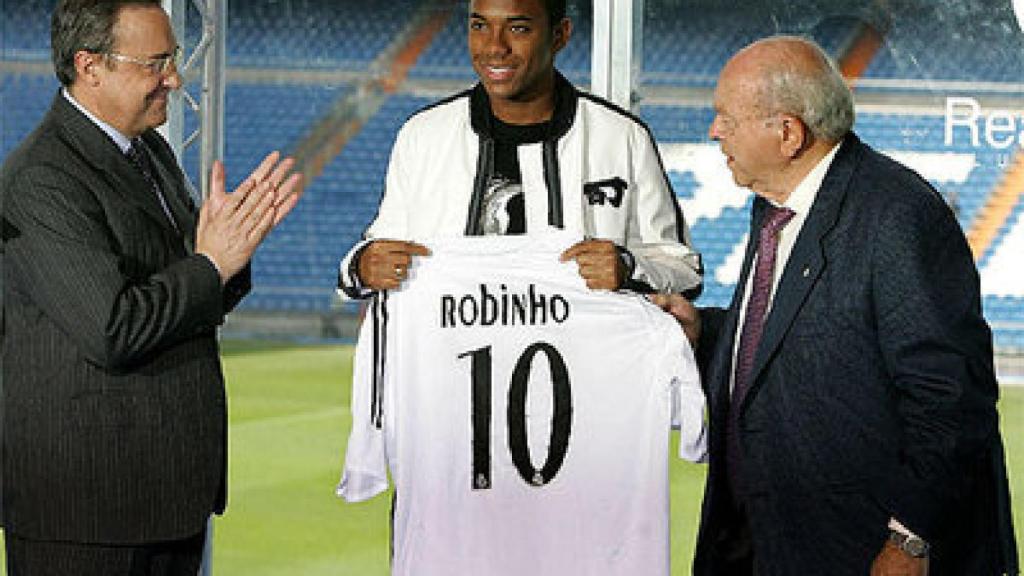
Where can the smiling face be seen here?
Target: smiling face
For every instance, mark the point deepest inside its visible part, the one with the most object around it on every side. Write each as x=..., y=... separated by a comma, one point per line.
x=512, y=46
x=127, y=95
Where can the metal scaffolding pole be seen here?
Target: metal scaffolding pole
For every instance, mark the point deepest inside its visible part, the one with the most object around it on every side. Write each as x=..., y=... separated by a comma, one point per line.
x=175, y=126
x=208, y=62
x=616, y=61
x=214, y=84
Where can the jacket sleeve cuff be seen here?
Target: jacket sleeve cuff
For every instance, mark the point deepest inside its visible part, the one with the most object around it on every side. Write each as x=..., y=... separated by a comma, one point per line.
x=350, y=287
x=897, y=526
x=919, y=509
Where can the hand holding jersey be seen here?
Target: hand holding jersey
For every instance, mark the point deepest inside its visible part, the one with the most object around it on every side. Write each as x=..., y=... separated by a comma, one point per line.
x=600, y=263
x=384, y=264
x=683, y=311
x=524, y=417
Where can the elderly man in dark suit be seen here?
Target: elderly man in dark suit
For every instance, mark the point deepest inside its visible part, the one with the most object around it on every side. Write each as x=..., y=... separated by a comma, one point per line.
x=114, y=285
x=850, y=381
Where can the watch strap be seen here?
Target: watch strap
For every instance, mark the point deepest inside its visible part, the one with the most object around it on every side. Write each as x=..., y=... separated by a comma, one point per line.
x=628, y=261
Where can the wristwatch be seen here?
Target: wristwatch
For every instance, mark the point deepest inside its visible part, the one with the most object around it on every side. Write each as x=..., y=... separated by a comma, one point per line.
x=911, y=545
x=628, y=261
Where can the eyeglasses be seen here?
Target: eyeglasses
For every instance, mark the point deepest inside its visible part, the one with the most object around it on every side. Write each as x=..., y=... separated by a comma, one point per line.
x=158, y=65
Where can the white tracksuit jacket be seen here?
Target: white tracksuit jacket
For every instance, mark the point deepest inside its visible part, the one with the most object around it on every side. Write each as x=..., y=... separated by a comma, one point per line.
x=599, y=174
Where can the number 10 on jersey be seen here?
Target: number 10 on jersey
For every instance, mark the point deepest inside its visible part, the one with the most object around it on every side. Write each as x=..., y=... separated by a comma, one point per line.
x=518, y=445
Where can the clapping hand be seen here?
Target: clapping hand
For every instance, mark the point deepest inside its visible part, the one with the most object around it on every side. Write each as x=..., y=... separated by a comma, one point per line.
x=231, y=226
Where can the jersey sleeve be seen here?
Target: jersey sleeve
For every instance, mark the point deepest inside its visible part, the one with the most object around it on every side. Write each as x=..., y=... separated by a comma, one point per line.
x=365, y=471
x=679, y=367
x=660, y=240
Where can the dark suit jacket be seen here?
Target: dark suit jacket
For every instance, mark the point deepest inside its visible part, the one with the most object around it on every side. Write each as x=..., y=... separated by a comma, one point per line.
x=873, y=392
x=115, y=421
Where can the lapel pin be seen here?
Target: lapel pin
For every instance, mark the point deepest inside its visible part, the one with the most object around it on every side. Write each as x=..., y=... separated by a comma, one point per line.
x=807, y=271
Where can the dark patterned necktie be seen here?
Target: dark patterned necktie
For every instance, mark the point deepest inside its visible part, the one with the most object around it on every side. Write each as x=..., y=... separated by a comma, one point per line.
x=753, y=327
x=140, y=158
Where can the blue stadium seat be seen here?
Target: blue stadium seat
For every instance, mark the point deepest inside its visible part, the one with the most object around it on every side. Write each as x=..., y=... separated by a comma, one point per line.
x=974, y=43
x=683, y=46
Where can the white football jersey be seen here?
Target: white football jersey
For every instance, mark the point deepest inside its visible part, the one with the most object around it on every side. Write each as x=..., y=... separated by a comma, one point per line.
x=525, y=418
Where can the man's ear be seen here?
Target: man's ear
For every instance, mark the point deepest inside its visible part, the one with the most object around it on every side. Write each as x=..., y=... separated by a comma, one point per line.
x=794, y=135
x=561, y=34
x=86, y=66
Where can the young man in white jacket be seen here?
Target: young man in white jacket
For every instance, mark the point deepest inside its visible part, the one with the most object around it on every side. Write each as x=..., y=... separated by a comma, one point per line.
x=523, y=152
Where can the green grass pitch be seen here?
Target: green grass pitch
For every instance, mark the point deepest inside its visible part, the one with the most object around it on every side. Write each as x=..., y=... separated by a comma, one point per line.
x=289, y=420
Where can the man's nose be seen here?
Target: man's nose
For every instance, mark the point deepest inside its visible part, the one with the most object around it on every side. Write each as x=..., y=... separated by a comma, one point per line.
x=172, y=78
x=714, y=130
x=497, y=44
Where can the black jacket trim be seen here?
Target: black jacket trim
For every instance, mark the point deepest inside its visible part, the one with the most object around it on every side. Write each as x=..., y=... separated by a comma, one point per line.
x=484, y=168
x=561, y=122
x=553, y=180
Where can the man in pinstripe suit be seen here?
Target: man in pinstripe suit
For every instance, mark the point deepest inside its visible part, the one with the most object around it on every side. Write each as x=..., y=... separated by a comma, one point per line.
x=114, y=284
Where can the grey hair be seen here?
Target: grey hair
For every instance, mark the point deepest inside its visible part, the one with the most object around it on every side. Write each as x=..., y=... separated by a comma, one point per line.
x=816, y=94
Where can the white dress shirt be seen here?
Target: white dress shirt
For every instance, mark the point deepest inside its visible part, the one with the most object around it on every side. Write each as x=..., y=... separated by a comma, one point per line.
x=800, y=202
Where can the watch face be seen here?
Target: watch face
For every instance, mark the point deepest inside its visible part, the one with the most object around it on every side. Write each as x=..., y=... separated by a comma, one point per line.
x=915, y=547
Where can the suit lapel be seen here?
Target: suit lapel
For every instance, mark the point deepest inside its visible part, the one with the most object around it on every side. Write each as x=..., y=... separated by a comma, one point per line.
x=807, y=260
x=179, y=200
x=96, y=148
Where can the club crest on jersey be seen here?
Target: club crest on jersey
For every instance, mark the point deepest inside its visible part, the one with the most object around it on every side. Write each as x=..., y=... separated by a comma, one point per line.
x=610, y=191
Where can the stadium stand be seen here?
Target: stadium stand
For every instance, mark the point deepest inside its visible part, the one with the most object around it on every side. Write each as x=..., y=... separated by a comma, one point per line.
x=308, y=33
x=262, y=115
x=26, y=30
x=302, y=256
x=691, y=51
x=290, y=270
x=311, y=33
x=24, y=99
x=973, y=34
x=275, y=41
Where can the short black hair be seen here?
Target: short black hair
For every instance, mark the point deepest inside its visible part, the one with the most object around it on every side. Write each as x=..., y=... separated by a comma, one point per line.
x=556, y=10
x=84, y=25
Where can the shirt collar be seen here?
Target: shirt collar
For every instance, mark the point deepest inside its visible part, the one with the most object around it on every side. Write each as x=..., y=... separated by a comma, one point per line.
x=123, y=142
x=803, y=195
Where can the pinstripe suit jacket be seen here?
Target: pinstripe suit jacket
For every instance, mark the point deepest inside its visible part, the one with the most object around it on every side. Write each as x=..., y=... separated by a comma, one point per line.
x=872, y=391
x=115, y=421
